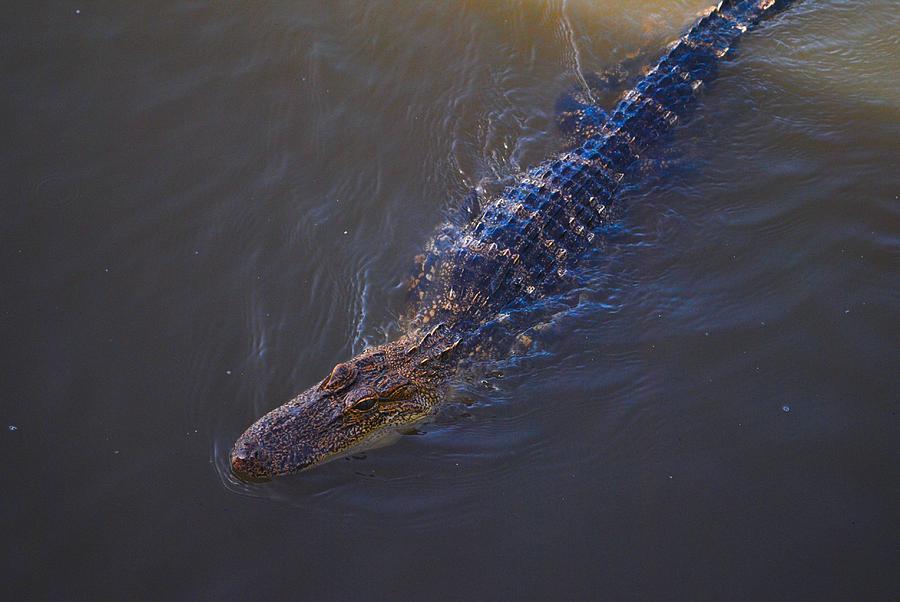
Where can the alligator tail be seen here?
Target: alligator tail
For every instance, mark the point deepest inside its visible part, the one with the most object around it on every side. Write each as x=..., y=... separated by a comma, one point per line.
x=663, y=97
x=750, y=12
x=725, y=24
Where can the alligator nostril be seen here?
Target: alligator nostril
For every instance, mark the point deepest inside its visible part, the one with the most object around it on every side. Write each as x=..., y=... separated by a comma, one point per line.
x=247, y=465
x=246, y=469
x=239, y=465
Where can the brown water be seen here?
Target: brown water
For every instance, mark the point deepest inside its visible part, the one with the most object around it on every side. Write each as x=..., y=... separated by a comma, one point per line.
x=206, y=207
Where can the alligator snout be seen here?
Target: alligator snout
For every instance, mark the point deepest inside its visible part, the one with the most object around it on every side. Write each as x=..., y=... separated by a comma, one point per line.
x=287, y=439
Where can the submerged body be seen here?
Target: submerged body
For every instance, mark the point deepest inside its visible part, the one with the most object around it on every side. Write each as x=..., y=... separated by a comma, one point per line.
x=519, y=249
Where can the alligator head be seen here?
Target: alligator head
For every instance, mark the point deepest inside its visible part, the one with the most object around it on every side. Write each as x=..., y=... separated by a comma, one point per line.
x=387, y=386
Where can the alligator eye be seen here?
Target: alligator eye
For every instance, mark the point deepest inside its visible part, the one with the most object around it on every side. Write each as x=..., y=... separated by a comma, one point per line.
x=364, y=405
x=392, y=387
x=341, y=376
x=372, y=363
x=400, y=393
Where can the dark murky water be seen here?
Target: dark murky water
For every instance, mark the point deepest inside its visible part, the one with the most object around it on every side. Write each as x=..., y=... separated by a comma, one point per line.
x=205, y=207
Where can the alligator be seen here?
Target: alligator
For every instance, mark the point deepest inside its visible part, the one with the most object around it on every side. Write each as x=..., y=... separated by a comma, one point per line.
x=517, y=248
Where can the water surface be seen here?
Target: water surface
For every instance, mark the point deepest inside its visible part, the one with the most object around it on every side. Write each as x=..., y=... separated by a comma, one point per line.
x=206, y=206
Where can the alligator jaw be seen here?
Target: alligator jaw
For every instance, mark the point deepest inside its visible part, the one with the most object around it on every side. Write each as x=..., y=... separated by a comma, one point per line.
x=251, y=464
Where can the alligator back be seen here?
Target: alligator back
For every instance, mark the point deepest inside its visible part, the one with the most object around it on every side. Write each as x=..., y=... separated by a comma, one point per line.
x=524, y=242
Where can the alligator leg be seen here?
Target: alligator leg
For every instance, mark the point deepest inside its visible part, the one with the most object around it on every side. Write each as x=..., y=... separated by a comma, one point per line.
x=468, y=209
x=535, y=337
x=580, y=112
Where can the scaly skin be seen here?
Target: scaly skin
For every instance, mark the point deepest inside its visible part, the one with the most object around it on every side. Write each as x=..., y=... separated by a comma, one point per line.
x=518, y=250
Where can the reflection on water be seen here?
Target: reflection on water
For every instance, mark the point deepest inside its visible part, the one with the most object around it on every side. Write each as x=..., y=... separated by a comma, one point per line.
x=206, y=208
